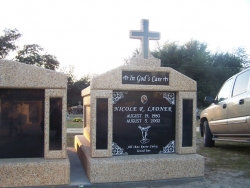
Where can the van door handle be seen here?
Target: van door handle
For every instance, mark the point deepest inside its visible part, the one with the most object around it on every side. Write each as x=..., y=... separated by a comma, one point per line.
x=241, y=101
x=224, y=105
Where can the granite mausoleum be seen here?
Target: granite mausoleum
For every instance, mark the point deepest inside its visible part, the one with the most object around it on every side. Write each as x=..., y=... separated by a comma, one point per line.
x=139, y=121
x=32, y=126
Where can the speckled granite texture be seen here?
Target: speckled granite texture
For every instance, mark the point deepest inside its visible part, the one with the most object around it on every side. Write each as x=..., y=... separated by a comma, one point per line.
x=19, y=75
x=101, y=166
x=138, y=167
x=34, y=172
x=102, y=87
x=140, y=61
x=111, y=80
x=50, y=93
x=54, y=168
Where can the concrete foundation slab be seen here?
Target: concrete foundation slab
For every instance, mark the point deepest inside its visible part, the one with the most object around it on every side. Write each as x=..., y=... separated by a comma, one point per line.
x=137, y=167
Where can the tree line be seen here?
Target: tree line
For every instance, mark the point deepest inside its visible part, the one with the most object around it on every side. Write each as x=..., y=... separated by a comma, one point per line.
x=193, y=59
x=209, y=70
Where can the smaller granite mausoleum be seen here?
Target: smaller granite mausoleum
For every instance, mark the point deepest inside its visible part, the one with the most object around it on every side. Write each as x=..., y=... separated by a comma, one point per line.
x=32, y=126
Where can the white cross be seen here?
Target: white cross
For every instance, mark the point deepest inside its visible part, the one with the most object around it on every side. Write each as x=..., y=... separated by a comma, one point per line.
x=144, y=35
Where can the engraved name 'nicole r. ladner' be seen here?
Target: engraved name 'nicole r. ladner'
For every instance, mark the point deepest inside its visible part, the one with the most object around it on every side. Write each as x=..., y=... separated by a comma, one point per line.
x=149, y=109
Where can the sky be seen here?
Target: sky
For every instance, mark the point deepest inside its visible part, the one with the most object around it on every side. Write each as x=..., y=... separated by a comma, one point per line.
x=93, y=35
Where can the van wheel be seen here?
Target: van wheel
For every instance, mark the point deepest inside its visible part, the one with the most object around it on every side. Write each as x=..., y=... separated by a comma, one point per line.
x=207, y=135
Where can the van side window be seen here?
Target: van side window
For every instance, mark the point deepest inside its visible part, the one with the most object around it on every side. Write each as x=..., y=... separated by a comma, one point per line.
x=224, y=91
x=241, y=83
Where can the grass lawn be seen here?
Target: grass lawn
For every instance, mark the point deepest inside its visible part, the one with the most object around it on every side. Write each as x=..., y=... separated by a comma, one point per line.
x=71, y=124
x=70, y=137
x=225, y=155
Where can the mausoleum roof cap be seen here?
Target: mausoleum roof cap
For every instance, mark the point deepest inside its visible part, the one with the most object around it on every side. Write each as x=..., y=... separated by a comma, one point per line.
x=14, y=74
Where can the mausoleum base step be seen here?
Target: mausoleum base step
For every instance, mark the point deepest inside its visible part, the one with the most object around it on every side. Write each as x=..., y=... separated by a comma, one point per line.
x=137, y=167
x=34, y=172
